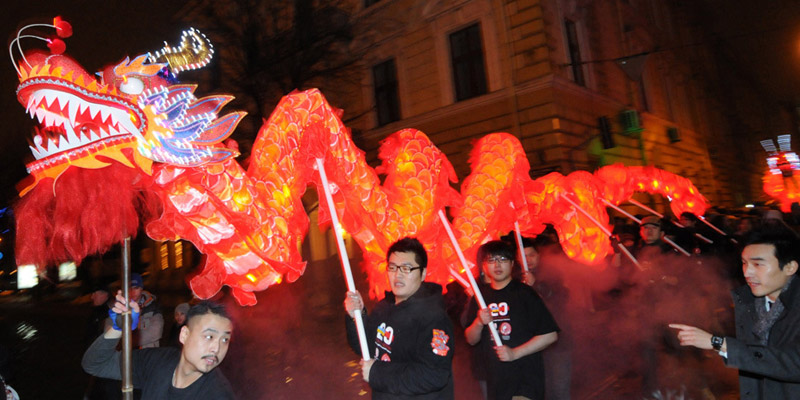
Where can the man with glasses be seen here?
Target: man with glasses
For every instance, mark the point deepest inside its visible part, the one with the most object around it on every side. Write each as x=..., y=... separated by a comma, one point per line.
x=409, y=333
x=526, y=327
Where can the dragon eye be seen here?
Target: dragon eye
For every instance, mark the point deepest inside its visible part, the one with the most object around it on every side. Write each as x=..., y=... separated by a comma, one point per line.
x=132, y=86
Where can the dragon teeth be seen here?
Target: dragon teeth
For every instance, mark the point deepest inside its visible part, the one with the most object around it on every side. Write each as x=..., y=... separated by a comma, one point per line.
x=42, y=151
x=63, y=99
x=127, y=125
x=31, y=105
x=72, y=111
x=49, y=118
x=51, y=146
x=40, y=115
x=71, y=137
x=35, y=152
x=93, y=110
x=104, y=114
x=49, y=98
x=63, y=116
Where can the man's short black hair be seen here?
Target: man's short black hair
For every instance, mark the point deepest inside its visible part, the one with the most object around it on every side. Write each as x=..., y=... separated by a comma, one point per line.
x=207, y=307
x=511, y=239
x=410, y=245
x=786, y=243
x=497, y=248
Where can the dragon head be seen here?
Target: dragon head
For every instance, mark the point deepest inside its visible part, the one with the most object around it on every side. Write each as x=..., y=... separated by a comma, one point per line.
x=102, y=137
x=132, y=112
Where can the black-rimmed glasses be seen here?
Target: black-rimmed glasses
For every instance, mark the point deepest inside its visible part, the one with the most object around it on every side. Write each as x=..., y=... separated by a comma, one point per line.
x=496, y=260
x=404, y=268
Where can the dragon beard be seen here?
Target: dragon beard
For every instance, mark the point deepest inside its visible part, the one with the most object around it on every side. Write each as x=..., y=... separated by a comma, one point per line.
x=83, y=212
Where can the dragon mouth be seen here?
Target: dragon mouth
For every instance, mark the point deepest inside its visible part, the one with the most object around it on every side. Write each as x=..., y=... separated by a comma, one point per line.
x=68, y=121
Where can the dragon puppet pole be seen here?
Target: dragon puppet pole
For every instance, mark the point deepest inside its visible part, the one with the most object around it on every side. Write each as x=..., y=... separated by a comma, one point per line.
x=638, y=221
x=478, y=295
x=125, y=360
x=605, y=230
x=654, y=212
x=459, y=278
x=348, y=274
x=710, y=225
x=623, y=212
x=519, y=246
x=676, y=246
x=660, y=215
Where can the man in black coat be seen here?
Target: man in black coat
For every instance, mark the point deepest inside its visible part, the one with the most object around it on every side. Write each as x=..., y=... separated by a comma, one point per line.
x=408, y=333
x=766, y=349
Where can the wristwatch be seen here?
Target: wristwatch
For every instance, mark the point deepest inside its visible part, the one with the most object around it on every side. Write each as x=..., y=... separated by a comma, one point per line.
x=716, y=342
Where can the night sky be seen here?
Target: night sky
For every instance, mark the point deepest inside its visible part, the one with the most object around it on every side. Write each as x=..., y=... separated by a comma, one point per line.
x=762, y=38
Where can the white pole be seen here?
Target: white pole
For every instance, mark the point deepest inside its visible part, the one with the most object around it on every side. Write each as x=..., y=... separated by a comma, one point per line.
x=519, y=245
x=638, y=221
x=659, y=215
x=625, y=213
x=458, y=277
x=348, y=274
x=710, y=225
x=587, y=215
x=654, y=212
x=630, y=256
x=676, y=246
x=703, y=238
x=702, y=218
x=471, y=278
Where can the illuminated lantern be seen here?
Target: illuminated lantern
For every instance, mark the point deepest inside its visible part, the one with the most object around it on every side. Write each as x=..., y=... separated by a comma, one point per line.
x=781, y=181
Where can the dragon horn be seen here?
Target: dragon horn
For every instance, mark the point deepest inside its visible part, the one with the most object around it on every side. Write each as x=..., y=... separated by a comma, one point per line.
x=194, y=52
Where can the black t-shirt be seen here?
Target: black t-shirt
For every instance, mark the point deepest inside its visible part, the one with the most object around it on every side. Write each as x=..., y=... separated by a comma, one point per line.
x=519, y=314
x=152, y=372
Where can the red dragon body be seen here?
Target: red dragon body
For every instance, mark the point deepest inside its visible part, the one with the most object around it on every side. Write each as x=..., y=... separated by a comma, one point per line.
x=135, y=148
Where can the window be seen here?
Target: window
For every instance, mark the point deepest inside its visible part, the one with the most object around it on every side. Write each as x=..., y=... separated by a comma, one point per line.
x=575, y=61
x=384, y=77
x=466, y=52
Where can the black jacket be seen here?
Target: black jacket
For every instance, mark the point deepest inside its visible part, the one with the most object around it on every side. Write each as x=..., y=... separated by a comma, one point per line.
x=413, y=345
x=771, y=371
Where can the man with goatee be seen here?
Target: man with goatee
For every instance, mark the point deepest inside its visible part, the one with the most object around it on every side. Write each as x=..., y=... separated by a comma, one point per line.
x=167, y=372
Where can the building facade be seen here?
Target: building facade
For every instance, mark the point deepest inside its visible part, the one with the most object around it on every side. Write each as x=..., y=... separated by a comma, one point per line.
x=581, y=83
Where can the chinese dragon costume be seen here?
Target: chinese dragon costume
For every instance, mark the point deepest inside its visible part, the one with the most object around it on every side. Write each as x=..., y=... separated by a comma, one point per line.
x=131, y=147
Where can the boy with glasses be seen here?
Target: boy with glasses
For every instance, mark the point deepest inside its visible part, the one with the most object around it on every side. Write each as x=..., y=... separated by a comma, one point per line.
x=409, y=333
x=515, y=370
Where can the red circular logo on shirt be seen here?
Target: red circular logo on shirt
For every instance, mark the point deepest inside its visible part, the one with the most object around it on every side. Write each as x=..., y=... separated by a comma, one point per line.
x=505, y=329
